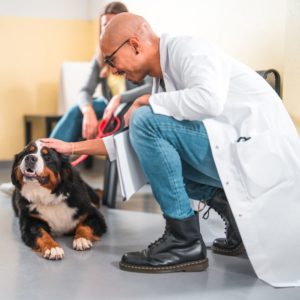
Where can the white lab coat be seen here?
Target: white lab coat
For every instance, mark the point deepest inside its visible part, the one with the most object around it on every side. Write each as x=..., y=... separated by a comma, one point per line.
x=261, y=175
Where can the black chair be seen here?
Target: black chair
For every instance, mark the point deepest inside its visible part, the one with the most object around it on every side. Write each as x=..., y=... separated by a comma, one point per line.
x=273, y=78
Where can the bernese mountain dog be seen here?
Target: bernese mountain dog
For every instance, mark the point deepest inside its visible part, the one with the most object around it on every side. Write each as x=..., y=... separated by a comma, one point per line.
x=50, y=199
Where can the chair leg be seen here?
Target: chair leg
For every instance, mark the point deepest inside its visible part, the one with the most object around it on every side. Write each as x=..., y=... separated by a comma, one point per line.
x=106, y=180
x=88, y=163
x=110, y=184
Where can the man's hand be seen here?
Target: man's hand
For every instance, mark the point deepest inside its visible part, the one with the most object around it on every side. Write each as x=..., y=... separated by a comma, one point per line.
x=89, y=123
x=112, y=106
x=58, y=145
x=143, y=100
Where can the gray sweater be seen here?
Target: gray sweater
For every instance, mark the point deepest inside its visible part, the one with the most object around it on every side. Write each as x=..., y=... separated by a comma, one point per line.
x=132, y=92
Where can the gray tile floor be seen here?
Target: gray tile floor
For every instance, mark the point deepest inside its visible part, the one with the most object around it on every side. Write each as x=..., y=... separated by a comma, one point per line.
x=94, y=274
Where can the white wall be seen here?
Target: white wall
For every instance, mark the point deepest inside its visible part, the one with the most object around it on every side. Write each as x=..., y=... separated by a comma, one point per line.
x=250, y=30
x=261, y=33
x=291, y=86
x=52, y=9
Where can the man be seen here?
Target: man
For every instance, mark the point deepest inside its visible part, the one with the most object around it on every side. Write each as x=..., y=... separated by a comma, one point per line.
x=211, y=127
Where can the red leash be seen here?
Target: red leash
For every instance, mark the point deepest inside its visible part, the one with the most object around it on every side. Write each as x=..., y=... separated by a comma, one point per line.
x=103, y=131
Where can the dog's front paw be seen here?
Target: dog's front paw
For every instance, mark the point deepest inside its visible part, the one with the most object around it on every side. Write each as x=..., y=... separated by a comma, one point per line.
x=55, y=253
x=82, y=244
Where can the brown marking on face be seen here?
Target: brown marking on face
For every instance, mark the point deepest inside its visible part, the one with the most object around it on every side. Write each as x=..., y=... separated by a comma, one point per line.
x=19, y=175
x=32, y=148
x=85, y=231
x=45, y=151
x=45, y=242
x=53, y=179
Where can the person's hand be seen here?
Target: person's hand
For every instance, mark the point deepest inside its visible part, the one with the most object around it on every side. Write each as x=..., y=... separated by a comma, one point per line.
x=143, y=100
x=60, y=146
x=112, y=106
x=89, y=123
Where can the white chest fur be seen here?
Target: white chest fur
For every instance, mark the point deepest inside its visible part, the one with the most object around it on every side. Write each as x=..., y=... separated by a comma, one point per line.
x=51, y=208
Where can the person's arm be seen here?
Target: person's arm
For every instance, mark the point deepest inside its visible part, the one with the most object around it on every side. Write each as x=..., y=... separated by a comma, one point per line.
x=89, y=147
x=132, y=94
x=128, y=96
x=85, y=96
x=85, y=101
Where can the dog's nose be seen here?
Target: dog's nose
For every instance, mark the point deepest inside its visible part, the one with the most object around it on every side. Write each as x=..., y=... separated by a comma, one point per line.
x=30, y=160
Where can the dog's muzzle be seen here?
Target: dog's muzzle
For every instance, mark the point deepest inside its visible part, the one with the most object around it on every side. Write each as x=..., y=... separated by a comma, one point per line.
x=30, y=163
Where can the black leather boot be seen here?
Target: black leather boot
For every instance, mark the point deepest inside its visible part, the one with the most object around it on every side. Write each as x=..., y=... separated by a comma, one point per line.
x=181, y=248
x=232, y=245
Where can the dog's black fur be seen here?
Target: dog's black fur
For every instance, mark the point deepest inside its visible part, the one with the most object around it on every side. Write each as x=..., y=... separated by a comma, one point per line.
x=45, y=181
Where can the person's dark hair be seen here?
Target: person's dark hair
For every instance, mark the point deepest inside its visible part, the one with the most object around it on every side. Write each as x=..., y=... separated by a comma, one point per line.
x=114, y=8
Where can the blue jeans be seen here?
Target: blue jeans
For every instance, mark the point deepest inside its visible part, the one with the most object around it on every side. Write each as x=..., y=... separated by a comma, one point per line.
x=69, y=127
x=176, y=158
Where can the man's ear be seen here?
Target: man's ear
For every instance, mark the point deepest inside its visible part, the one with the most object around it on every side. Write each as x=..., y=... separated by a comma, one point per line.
x=135, y=44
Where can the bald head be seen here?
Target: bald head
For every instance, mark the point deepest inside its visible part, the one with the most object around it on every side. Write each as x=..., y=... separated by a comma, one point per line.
x=124, y=26
x=130, y=47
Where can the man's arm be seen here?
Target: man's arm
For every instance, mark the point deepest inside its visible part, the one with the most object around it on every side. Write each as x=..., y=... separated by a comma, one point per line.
x=90, y=147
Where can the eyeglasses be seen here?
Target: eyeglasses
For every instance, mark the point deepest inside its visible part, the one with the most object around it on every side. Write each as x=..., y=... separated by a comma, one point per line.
x=108, y=58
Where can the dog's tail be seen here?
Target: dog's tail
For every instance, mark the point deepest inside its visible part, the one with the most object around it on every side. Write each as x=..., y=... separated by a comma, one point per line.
x=7, y=188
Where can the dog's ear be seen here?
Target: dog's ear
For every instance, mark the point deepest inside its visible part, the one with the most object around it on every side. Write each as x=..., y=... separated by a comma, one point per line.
x=66, y=169
x=15, y=172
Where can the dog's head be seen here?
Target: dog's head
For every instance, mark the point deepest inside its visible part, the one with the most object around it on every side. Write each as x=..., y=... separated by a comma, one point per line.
x=40, y=164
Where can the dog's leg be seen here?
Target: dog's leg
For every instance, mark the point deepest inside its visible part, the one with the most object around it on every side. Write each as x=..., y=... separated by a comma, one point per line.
x=89, y=230
x=36, y=234
x=95, y=196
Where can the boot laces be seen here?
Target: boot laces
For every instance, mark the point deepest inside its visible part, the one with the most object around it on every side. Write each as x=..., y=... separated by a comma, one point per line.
x=206, y=216
x=161, y=239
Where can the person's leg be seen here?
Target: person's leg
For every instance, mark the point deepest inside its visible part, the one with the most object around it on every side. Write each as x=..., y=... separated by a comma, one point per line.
x=69, y=127
x=162, y=145
x=99, y=106
x=170, y=150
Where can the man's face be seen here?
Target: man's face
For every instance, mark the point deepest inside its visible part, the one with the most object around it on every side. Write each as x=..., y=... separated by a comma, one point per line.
x=126, y=58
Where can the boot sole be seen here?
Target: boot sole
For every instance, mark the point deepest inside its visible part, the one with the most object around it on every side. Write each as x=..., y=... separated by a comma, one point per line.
x=229, y=252
x=194, y=266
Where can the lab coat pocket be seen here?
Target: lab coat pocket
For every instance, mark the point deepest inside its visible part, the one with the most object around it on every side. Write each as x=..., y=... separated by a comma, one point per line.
x=261, y=162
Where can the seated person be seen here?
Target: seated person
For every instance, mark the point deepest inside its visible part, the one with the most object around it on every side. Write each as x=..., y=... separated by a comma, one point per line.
x=81, y=121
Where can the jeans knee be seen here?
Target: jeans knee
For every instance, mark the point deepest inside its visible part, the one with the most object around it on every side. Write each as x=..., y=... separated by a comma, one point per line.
x=140, y=117
x=74, y=113
x=139, y=122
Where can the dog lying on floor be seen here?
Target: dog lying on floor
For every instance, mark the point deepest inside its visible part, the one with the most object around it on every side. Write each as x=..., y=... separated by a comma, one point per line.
x=50, y=198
